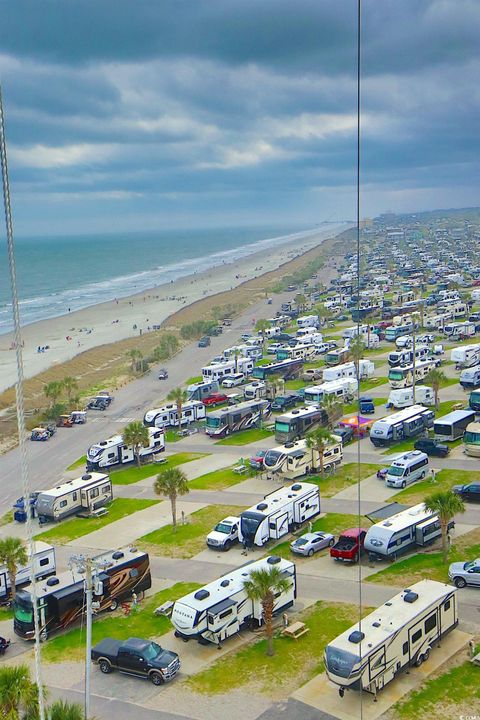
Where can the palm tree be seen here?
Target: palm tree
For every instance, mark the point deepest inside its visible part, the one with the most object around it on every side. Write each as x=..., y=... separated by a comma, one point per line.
x=136, y=435
x=64, y=710
x=53, y=391
x=446, y=505
x=13, y=554
x=333, y=408
x=318, y=440
x=18, y=694
x=171, y=483
x=300, y=301
x=435, y=378
x=134, y=355
x=261, y=326
x=356, y=350
x=178, y=396
x=263, y=585
x=236, y=354
x=69, y=385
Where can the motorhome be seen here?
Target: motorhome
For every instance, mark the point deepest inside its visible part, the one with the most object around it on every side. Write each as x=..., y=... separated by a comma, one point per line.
x=455, y=308
x=402, y=377
x=243, y=416
x=287, y=369
x=61, y=598
x=219, y=370
x=405, y=357
x=437, y=322
x=351, y=332
x=294, y=460
x=255, y=390
x=395, y=331
x=302, y=351
x=314, y=338
x=308, y=321
x=43, y=566
x=404, y=424
x=343, y=390
x=470, y=377
x=222, y=608
x=465, y=356
x=337, y=356
x=450, y=427
x=167, y=415
x=414, y=527
x=247, y=351
x=296, y=423
x=403, y=397
x=475, y=295
x=349, y=370
x=407, y=469
x=397, y=635
x=84, y=494
x=279, y=511
x=459, y=330
x=202, y=389
x=471, y=439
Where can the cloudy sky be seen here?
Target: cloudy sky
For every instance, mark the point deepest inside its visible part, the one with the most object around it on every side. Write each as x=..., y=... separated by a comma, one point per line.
x=147, y=114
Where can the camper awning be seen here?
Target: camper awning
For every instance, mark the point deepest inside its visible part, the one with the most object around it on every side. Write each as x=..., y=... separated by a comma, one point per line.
x=69, y=590
x=221, y=606
x=385, y=512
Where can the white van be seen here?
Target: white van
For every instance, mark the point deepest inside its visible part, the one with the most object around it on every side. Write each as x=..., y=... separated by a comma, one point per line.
x=406, y=469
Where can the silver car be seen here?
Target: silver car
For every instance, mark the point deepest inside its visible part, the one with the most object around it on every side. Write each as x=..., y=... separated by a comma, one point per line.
x=465, y=573
x=311, y=543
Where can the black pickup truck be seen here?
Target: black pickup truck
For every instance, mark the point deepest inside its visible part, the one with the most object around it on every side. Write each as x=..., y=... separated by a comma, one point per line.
x=136, y=657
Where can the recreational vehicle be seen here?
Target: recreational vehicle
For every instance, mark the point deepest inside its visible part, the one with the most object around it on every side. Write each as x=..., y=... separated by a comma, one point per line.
x=349, y=370
x=167, y=415
x=470, y=377
x=450, y=427
x=222, y=608
x=247, y=351
x=410, y=422
x=313, y=338
x=471, y=439
x=395, y=331
x=61, y=598
x=303, y=332
x=337, y=356
x=406, y=469
x=459, y=330
x=279, y=512
x=43, y=566
x=255, y=390
x=308, y=321
x=402, y=377
x=295, y=459
x=201, y=390
x=287, y=369
x=351, y=332
x=114, y=452
x=405, y=357
x=437, y=322
x=413, y=527
x=302, y=351
x=465, y=356
x=403, y=397
x=399, y=634
x=344, y=390
x=296, y=423
x=219, y=370
x=84, y=494
x=243, y=416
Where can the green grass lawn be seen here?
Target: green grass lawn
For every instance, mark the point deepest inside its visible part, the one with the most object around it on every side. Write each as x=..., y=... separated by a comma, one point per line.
x=70, y=646
x=295, y=384
x=74, y=528
x=444, y=480
x=171, y=435
x=449, y=381
x=81, y=462
x=333, y=523
x=188, y=539
x=245, y=437
x=345, y=475
x=133, y=474
x=429, y=565
x=371, y=383
x=219, y=479
x=294, y=663
x=6, y=518
x=447, y=406
x=193, y=380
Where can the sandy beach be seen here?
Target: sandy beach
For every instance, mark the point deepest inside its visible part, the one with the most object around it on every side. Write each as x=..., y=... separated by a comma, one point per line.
x=68, y=335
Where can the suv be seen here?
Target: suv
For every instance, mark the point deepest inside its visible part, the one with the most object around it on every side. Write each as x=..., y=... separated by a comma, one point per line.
x=233, y=380
x=470, y=492
x=432, y=447
x=204, y=341
x=344, y=432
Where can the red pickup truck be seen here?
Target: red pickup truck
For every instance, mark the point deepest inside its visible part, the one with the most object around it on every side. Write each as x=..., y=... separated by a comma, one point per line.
x=349, y=545
x=215, y=399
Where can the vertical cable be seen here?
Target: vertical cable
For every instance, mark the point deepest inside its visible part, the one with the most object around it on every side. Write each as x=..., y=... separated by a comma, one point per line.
x=17, y=337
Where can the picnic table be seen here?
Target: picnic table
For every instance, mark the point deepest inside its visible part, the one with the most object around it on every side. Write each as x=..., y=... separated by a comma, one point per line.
x=296, y=630
x=240, y=469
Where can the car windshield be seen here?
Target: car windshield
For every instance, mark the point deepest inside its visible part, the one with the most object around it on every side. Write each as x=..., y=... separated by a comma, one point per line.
x=396, y=471
x=469, y=565
x=250, y=523
x=223, y=528
x=152, y=651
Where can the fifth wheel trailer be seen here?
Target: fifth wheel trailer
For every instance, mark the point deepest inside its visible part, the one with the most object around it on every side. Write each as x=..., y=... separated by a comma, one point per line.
x=43, y=565
x=399, y=634
x=113, y=451
x=294, y=459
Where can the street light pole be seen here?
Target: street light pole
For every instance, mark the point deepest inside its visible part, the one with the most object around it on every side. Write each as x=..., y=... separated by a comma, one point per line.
x=88, y=657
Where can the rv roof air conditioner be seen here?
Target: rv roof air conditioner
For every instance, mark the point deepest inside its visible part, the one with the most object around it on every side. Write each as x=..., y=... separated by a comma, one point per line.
x=87, y=476
x=52, y=581
x=262, y=506
x=356, y=636
x=289, y=444
x=103, y=443
x=297, y=486
x=118, y=555
x=273, y=560
x=133, y=549
x=201, y=594
x=376, y=624
x=410, y=597
x=225, y=583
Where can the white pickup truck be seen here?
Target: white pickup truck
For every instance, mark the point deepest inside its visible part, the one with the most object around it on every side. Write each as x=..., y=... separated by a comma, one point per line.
x=224, y=534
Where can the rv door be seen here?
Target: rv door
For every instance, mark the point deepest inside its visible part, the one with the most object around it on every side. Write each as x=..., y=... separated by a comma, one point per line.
x=3, y=584
x=222, y=619
x=278, y=526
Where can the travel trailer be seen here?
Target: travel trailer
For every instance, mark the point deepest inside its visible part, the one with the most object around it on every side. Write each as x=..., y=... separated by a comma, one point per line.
x=308, y=321
x=287, y=369
x=471, y=439
x=219, y=370
x=296, y=423
x=414, y=527
x=403, y=397
x=43, y=566
x=247, y=351
x=405, y=357
x=237, y=417
x=84, y=494
x=395, y=331
x=255, y=390
x=61, y=598
x=113, y=451
x=222, y=608
x=343, y=389
x=294, y=460
x=402, y=377
x=465, y=356
x=459, y=330
x=399, y=634
x=202, y=389
x=167, y=415
x=450, y=427
x=279, y=512
x=349, y=370
x=302, y=351
x=410, y=422
x=470, y=377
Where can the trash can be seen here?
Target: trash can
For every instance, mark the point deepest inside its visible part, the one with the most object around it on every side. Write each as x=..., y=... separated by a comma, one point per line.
x=20, y=516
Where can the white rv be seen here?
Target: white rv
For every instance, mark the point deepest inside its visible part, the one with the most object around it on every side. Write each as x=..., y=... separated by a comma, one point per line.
x=278, y=513
x=302, y=351
x=470, y=377
x=308, y=321
x=413, y=527
x=348, y=370
x=343, y=389
x=405, y=356
x=465, y=356
x=255, y=390
x=113, y=451
x=167, y=415
x=247, y=351
x=437, y=322
x=86, y=493
x=403, y=397
x=43, y=565
x=399, y=634
x=200, y=390
x=402, y=377
x=314, y=338
x=219, y=370
x=459, y=329
x=222, y=608
x=295, y=459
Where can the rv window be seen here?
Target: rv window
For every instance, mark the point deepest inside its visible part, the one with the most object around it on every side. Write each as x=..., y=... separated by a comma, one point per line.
x=430, y=623
x=44, y=561
x=271, y=526
x=75, y=496
x=211, y=619
x=405, y=537
x=225, y=614
x=416, y=636
x=63, y=503
x=405, y=648
x=105, y=489
x=94, y=492
x=446, y=607
x=379, y=661
x=111, y=455
x=133, y=573
x=236, y=418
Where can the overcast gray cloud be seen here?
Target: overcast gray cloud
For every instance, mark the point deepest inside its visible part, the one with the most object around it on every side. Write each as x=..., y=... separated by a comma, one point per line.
x=126, y=115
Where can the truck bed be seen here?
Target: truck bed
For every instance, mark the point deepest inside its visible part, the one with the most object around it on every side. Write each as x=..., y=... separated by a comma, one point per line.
x=344, y=545
x=107, y=648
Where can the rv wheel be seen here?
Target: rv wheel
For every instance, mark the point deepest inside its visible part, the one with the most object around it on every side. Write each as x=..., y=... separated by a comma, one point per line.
x=426, y=655
x=419, y=661
x=113, y=605
x=422, y=475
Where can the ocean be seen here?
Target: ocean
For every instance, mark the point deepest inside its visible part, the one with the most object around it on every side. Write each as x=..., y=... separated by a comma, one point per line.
x=57, y=273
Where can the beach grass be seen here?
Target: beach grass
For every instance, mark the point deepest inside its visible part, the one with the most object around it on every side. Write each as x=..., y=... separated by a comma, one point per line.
x=133, y=474
x=186, y=540
x=245, y=437
x=71, y=529
x=70, y=646
x=219, y=479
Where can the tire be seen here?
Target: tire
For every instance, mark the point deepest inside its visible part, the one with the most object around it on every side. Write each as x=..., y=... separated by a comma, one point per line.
x=156, y=678
x=227, y=546
x=422, y=475
x=331, y=543
x=113, y=605
x=460, y=582
x=310, y=552
x=105, y=667
x=419, y=661
x=426, y=655
x=404, y=485
x=355, y=558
